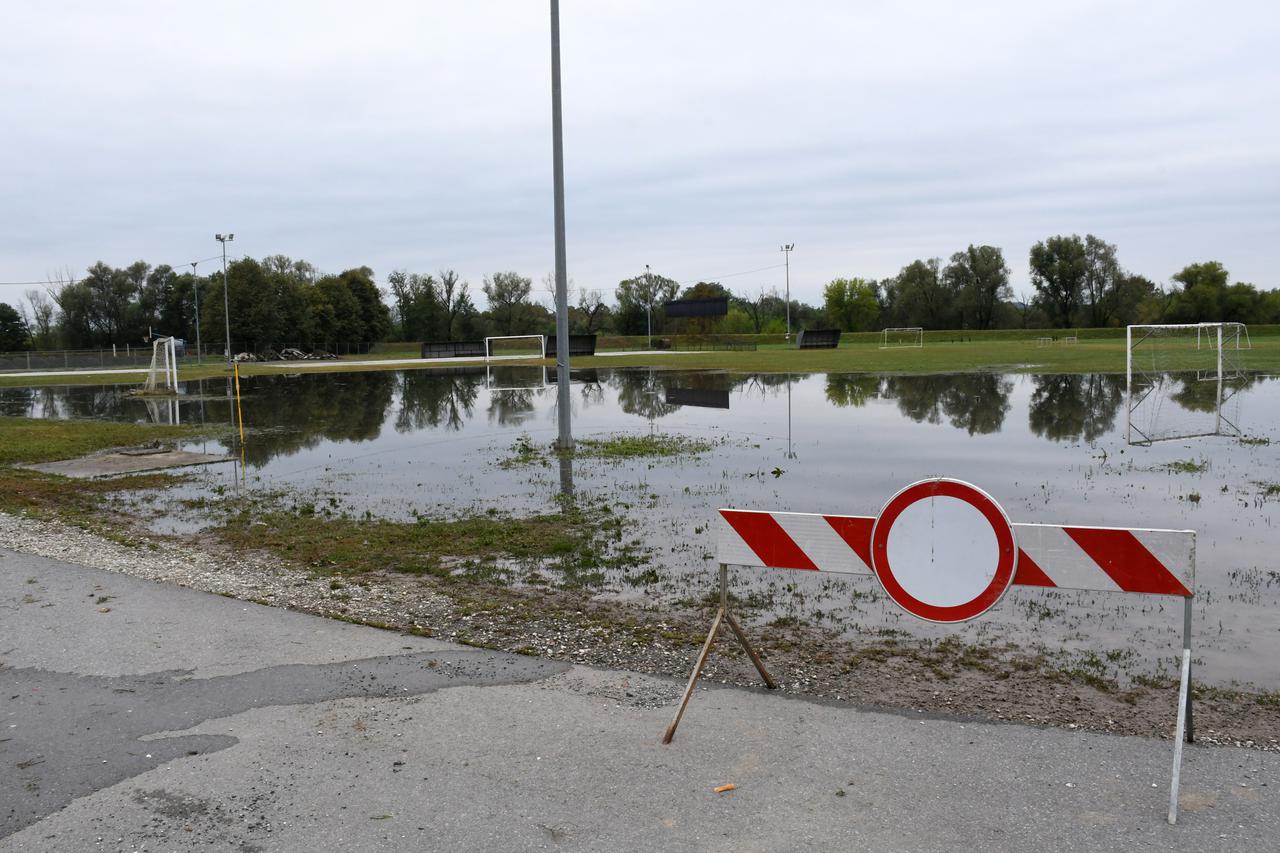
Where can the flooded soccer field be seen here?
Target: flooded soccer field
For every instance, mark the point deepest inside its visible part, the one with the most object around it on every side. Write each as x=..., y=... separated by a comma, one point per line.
x=1050, y=448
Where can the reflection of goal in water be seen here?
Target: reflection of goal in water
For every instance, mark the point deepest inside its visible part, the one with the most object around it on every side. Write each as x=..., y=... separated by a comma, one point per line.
x=905, y=336
x=1183, y=381
x=506, y=346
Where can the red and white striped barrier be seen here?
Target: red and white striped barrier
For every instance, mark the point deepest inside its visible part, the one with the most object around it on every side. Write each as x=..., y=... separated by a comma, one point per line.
x=945, y=551
x=1109, y=559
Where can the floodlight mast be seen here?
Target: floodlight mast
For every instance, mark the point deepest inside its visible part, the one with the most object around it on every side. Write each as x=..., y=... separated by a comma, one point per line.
x=786, y=253
x=195, y=290
x=648, y=304
x=226, y=299
x=565, y=440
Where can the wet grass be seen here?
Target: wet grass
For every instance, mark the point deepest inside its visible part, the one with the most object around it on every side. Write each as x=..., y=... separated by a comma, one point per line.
x=1187, y=466
x=78, y=502
x=655, y=446
x=616, y=448
x=576, y=546
x=29, y=440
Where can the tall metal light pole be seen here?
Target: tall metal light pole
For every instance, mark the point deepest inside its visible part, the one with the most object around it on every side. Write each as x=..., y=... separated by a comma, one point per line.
x=195, y=289
x=565, y=440
x=226, y=300
x=648, y=302
x=786, y=253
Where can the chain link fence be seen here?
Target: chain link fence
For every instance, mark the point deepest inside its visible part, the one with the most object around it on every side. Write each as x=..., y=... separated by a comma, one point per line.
x=127, y=356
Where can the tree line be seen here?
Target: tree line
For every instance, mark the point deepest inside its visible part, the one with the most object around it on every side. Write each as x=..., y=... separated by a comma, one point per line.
x=1078, y=282
x=279, y=301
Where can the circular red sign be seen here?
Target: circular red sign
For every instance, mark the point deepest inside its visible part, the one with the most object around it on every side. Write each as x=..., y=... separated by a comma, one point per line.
x=948, y=560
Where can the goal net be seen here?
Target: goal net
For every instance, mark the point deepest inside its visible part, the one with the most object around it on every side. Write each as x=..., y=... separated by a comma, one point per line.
x=907, y=336
x=1184, y=380
x=163, y=373
x=515, y=346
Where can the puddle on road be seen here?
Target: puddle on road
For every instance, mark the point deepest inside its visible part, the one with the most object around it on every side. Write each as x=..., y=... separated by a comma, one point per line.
x=1050, y=448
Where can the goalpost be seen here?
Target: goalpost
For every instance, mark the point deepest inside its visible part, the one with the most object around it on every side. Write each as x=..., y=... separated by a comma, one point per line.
x=1182, y=380
x=164, y=365
x=905, y=336
x=493, y=349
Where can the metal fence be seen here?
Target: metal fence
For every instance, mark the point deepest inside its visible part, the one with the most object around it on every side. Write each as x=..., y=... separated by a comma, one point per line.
x=127, y=356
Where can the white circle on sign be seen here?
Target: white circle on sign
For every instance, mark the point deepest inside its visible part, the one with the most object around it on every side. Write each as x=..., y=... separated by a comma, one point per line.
x=943, y=551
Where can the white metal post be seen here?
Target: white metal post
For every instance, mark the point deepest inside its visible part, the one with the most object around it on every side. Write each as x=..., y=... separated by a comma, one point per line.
x=1184, y=693
x=1218, y=408
x=1128, y=384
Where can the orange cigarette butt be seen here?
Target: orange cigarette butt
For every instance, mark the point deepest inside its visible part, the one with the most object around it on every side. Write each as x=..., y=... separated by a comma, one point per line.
x=723, y=788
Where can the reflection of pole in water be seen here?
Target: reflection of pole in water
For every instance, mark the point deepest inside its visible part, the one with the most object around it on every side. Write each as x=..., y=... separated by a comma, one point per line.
x=566, y=476
x=790, y=453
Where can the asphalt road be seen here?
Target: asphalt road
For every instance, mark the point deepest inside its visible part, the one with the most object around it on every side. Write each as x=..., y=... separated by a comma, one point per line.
x=135, y=716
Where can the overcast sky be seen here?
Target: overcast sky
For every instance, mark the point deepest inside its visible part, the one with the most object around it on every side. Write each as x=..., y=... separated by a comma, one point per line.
x=699, y=135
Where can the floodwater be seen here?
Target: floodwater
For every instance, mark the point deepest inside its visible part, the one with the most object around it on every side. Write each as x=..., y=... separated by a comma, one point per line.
x=1049, y=448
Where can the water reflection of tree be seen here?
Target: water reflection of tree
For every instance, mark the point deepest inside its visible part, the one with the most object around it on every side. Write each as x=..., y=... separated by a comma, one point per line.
x=511, y=408
x=852, y=389
x=1201, y=395
x=1070, y=407
x=287, y=414
x=974, y=402
x=429, y=400
x=641, y=392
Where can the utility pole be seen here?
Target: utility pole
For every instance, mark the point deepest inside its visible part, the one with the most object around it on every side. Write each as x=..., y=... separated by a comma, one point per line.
x=565, y=440
x=226, y=300
x=786, y=253
x=195, y=289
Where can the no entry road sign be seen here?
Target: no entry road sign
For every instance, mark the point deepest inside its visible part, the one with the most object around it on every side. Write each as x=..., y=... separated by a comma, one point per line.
x=943, y=550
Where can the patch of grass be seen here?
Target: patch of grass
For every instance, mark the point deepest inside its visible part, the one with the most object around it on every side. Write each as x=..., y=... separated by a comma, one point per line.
x=658, y=445
x=29, y=440
x=614, y=448
x=1187, y=466
x=76, y=501
x=577, y=543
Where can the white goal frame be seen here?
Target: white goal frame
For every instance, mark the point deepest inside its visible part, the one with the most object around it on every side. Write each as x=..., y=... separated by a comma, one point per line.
x=884, y=337
x=1219, y=336
x=488, y=351
x=164, y=358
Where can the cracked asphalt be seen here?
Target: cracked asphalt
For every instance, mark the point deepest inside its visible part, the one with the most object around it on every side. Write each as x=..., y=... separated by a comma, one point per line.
x=137, y=716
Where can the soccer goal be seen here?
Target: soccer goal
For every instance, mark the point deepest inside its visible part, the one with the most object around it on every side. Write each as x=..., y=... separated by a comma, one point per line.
x=515, y=346
x=1183, y=381
x=907, y=336
x=164, y=366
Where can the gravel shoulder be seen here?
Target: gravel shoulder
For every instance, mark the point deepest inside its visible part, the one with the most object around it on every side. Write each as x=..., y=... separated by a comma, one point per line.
x=941, y=679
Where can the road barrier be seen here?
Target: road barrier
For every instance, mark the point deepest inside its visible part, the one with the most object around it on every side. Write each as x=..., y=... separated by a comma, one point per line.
x=945, y=551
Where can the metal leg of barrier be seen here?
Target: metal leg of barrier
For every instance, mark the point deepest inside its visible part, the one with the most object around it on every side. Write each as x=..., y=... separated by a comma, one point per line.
x=693, y=678
x=1186, y=644
x=1184, y=705
x=755, y=659
x=722, y=614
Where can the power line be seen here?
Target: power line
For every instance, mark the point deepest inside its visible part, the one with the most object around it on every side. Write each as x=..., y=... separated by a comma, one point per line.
x=174, y=267
x=744, y=272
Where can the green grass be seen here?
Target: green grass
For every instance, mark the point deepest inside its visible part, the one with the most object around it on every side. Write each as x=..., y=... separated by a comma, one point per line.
x=1098, y=351
x=613, y=448
x=26, y=440
x=657, y=445
x=1005, y=355
x=577, y=544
